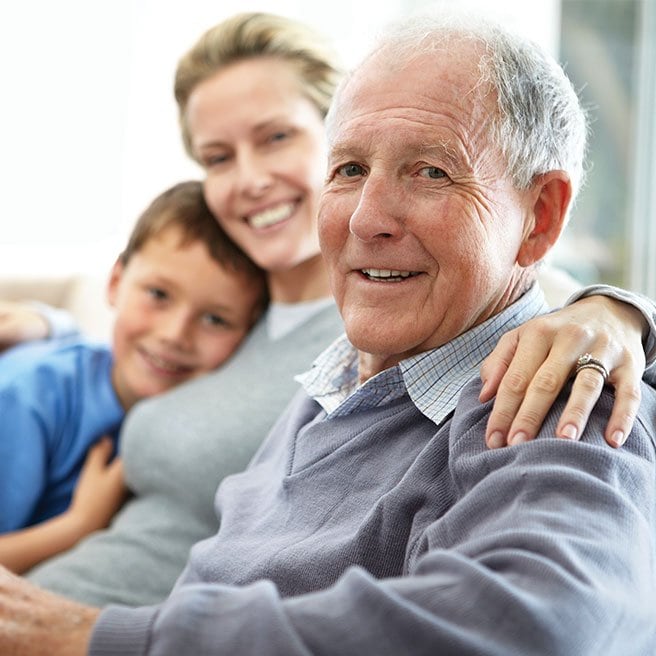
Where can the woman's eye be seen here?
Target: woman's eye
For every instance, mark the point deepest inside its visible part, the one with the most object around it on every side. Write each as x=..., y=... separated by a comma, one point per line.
x=214, y=160
x=432, y=172
x=278, y=136
x=350, y=170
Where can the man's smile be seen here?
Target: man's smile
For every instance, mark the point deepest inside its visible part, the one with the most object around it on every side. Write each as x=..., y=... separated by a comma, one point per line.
x=388, y=275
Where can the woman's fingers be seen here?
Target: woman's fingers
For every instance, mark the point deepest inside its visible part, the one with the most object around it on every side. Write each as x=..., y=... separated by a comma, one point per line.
x=528, y=386
x=496, y=365
x=532, y=364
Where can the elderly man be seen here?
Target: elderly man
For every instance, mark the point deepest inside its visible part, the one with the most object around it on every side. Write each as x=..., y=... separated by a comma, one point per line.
x=374, y=520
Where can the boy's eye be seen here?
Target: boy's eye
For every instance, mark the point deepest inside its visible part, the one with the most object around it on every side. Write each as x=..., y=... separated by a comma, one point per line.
x=157, y=294
x=350, y=170
x=214, y=320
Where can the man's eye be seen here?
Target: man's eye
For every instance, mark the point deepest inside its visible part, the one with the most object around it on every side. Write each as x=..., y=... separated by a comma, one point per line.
x=432, y=172
x=350, y=170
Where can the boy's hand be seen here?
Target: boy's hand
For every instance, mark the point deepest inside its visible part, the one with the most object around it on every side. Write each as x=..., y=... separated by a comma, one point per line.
x=100, y=490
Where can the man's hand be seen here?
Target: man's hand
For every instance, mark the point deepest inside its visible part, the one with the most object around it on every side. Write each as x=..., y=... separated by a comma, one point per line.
x=34, y=622
x=20, y=323
x=531, y=364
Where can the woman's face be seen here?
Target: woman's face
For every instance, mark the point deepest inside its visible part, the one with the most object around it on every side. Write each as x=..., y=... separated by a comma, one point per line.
x=262, y=145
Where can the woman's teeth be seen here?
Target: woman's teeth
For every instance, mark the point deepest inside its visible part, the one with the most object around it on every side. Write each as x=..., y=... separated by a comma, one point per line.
x=271, y=216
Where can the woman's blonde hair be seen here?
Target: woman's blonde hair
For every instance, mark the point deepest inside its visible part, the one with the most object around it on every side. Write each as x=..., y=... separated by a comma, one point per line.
x=252, y=35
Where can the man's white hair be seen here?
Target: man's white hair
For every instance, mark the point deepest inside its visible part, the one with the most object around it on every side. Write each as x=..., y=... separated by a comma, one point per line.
x=540, y=124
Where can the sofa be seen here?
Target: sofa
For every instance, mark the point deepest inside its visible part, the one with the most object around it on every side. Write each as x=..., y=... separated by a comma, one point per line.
x=82, y=295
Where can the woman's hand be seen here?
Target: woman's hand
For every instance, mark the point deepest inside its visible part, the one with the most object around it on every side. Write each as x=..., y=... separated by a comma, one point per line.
x=531, y=364
x=100, y=490
x=19, y=322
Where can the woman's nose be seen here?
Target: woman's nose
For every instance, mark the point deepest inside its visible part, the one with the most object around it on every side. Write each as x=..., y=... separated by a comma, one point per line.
x=254, y=176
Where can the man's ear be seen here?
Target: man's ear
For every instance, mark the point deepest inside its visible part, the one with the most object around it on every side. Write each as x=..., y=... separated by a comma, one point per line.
x=551, y=193
x=113, y=282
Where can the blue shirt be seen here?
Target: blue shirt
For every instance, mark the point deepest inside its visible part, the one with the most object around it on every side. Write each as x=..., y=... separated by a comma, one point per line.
x=56, y=400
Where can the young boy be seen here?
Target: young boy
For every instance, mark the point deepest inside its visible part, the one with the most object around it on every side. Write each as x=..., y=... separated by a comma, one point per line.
x=184, y=298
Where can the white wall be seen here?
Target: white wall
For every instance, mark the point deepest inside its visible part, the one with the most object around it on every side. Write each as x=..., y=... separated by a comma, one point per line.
x=88, y=125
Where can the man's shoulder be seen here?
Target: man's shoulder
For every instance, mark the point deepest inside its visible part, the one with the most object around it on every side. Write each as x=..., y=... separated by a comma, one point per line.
x=471, y=416
x=469, y=412
x=646, y=417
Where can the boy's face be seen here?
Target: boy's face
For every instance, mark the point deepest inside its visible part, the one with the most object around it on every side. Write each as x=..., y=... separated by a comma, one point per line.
x=178, y=314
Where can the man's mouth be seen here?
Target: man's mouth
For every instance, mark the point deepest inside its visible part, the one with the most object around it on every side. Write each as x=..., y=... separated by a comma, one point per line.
x=271, y=215
x=388, y=275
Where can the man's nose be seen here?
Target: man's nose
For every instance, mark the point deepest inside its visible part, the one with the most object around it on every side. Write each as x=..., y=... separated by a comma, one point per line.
x=377, y=215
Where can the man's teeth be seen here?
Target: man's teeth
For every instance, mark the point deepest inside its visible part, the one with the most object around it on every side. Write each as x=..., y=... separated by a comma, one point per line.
x=271, y=216
x=388, y=274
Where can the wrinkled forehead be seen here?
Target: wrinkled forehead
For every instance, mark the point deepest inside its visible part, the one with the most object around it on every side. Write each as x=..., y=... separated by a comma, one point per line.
x=441, y=88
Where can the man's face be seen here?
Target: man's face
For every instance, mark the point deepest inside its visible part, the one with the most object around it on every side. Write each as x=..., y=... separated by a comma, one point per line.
x=419, y=225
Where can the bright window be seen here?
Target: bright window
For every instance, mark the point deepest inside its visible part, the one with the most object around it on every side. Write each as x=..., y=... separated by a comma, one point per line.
x=608, y=50
x=89, y=128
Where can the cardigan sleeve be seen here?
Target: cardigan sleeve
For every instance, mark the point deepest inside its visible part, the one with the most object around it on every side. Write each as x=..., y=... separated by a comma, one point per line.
x=548, y=549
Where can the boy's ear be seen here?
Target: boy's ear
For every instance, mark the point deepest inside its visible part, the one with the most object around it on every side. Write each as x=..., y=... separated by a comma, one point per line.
x=115, y=276
x=551, y=193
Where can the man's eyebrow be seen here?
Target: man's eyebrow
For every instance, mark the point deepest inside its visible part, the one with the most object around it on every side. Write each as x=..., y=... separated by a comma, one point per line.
x=342, y=151
x=441, y=149
x=350, y=150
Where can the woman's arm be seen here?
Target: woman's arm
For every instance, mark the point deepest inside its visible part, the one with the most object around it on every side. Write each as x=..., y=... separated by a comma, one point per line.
x=99, y=494
x=20, y=323
x=530, y=366
x=27, y=321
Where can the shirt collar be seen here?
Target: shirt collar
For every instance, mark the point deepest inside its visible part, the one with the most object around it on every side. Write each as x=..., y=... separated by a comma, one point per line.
x=433, y=379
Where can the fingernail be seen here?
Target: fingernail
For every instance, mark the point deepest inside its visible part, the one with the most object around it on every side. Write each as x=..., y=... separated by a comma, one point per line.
x=569, y=432
x=496, y=440
x=519, y=438
x=618, y=437
x=482, y=392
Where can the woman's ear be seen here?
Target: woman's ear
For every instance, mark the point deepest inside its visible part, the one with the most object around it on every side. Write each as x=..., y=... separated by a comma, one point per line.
x=113, y=282
x=552, y=192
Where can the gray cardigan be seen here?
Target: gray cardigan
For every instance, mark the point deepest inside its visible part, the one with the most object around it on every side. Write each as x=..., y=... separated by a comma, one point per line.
x=380, y=533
